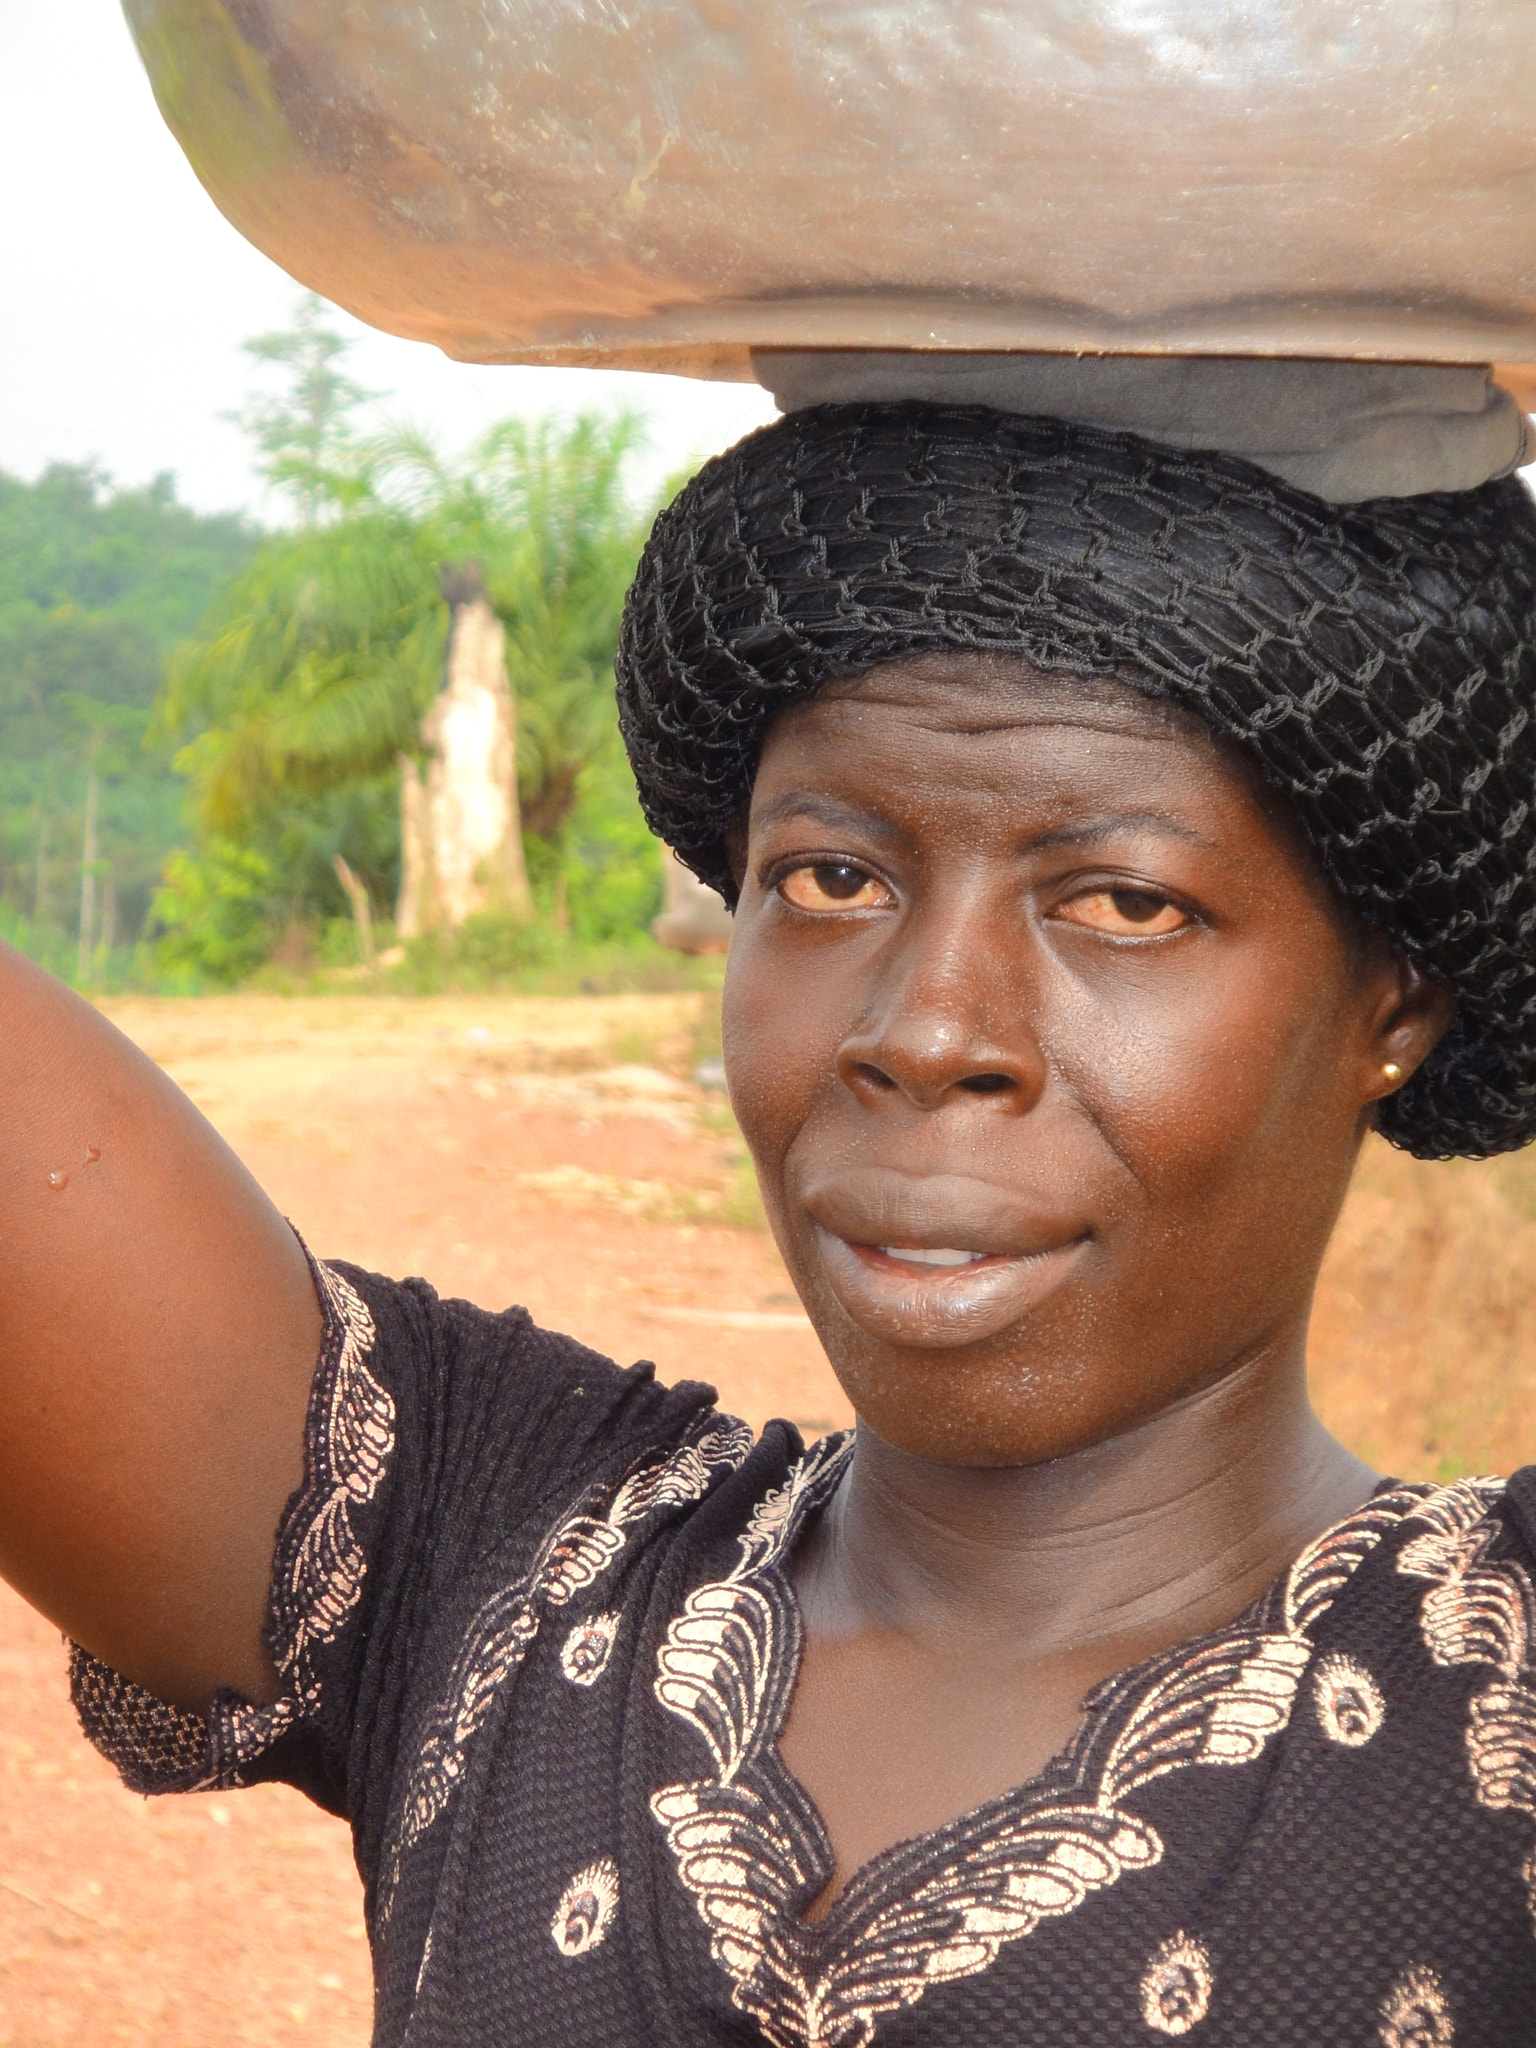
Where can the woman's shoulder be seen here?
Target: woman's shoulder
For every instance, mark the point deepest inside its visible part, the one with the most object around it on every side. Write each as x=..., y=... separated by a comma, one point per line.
x=1466, y=1551
x=408, y=1375
x=1415, y=1536
x=1421, y=1606
x=452, y=1454
x=1467, y=1519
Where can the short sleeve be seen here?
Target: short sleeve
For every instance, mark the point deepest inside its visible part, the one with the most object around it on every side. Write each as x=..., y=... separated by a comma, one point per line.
x=435, y=1431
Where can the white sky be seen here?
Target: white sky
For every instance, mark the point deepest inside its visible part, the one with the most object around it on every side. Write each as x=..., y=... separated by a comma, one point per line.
x=125, y=294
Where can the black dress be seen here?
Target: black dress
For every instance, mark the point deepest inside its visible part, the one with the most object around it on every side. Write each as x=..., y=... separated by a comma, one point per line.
x=537, y=1642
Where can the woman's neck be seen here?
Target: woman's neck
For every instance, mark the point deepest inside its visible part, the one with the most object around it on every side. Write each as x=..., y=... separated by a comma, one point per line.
x=1159, y=1535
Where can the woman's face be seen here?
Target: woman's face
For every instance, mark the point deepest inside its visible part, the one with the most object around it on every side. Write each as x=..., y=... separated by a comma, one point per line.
x=1053, y=1050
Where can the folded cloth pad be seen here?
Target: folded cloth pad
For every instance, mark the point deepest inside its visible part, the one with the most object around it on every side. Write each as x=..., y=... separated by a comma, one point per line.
x=1344, y=431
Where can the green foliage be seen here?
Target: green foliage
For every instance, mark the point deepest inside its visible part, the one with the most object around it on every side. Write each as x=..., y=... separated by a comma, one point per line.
x=48, y=945
x=315, y=670
x=558, y=538
x=494, y=953
x=214, y=906
x=292, y=708
x=305, y=436
x=610, y=861
x=96, y=587
x=256, y=692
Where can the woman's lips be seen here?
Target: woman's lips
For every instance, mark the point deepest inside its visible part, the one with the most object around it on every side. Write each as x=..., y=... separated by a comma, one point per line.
x=942, y=1255
x=938, y=1261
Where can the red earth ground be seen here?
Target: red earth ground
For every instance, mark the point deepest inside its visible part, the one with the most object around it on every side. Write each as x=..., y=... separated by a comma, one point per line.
x=555, y=1152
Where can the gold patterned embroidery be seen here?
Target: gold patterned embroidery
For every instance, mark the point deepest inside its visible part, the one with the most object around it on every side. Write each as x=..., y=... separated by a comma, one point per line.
x=1416, y=2013
x=320, y=1575
x=586, y=1909
x=1482, y=1610
x=585, y=1652
x=319, y=1566
x=750, y=1871
x=1350, y=1708
x=575, y=1553
x=1176, y=1987
x=317, y=1580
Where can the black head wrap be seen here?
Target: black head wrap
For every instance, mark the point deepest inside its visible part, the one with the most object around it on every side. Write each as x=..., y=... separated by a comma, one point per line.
x=1375, y=661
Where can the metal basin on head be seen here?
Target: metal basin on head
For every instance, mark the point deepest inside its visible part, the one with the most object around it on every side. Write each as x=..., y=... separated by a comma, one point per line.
x=668, y=183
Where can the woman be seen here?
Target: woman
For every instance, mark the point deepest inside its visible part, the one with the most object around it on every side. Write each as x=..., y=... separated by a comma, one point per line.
x=1117, y=835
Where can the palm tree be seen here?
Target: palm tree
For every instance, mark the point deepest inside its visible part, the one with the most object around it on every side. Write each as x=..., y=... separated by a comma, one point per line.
x=545, y=511
x=315, y=670
x=324, y=657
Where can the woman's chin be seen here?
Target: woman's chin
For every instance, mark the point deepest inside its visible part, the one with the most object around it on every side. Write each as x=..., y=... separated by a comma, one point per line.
x=940, y=1308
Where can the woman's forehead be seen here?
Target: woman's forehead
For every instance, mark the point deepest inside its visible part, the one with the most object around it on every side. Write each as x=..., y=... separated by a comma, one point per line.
x=972, y=694
x=1061, y=739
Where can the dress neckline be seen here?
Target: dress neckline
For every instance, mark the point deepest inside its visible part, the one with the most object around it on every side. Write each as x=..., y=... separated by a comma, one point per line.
x=1059, y=1770
x=751, y=1849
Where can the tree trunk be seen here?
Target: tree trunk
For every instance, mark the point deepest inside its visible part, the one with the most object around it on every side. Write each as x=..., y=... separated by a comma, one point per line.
x=362, y=909
x=461, y=833
x=410, y=912
x=88, y=876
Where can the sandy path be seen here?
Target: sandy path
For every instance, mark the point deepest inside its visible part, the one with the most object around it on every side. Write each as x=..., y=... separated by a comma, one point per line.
x=549, y=1153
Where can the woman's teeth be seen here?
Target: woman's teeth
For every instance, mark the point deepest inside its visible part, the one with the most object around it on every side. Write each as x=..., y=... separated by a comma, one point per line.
x=921, y=1256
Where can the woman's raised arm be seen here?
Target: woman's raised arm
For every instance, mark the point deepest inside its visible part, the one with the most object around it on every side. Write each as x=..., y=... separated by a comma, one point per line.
x=158, y=1333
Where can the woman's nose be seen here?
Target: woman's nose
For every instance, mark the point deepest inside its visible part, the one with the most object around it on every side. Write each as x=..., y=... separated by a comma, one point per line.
x=932, y=1033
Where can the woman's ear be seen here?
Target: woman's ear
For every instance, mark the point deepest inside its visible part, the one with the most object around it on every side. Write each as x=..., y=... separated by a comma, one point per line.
x=1411, y=1016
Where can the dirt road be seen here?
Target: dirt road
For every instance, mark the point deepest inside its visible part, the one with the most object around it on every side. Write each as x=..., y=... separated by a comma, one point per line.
x=555, y=1152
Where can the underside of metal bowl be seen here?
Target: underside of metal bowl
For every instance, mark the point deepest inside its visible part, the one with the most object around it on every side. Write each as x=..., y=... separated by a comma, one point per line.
x=667, y=184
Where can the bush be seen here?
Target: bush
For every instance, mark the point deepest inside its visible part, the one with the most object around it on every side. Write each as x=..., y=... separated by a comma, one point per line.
x=612, y=864
x=493, y=953
x=485, y=952
x=213, y=913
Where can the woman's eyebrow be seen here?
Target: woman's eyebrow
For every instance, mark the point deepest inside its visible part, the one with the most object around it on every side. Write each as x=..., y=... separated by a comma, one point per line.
x=799, y=803
x=1119, y=821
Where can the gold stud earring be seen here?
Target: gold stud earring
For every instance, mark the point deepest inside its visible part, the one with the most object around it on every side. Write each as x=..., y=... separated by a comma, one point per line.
x=1392, y=1070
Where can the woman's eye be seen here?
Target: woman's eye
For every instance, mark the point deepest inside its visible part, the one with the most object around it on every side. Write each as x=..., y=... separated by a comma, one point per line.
x=1125, y=913
x=833, y=885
